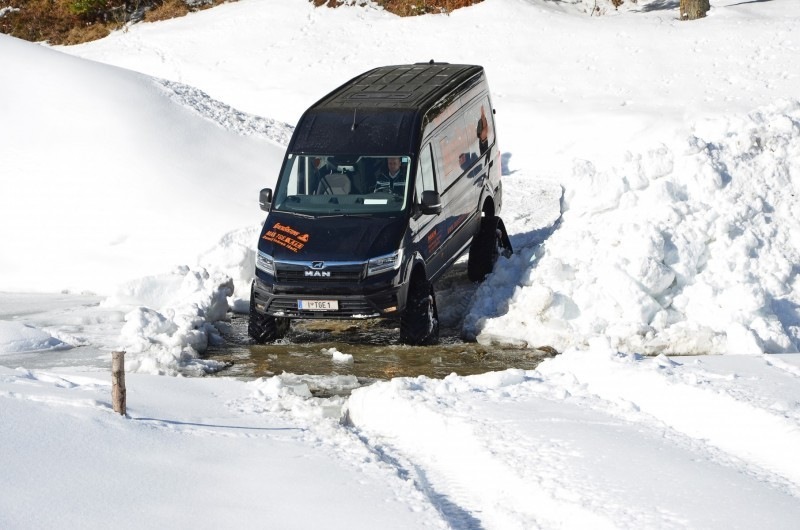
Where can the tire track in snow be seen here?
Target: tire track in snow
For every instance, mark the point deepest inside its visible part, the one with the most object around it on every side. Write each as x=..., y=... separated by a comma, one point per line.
x=778, y=363
x=473, y=469
x=318, y=423
x=226, y=116
x=735, y=420
x=515, y=450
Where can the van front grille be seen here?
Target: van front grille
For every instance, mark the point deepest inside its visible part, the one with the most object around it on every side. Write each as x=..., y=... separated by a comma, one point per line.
x=305, y=273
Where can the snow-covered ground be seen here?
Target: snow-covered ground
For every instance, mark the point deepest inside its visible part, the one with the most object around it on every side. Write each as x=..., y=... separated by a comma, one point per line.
x=652, y=170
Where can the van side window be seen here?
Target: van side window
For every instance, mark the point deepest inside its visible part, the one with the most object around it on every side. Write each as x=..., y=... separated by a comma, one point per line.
x=426, y=178
x=455, y=150
x=480, y=123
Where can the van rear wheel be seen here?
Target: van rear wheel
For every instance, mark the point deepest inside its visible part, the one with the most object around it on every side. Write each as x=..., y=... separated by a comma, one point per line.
x=265, y=328
x=419, y=324
x=490, y=242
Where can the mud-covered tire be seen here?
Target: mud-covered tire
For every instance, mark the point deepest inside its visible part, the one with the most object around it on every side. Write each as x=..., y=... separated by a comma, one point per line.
x=490, y=242
x=265, y=328
x=419, y=324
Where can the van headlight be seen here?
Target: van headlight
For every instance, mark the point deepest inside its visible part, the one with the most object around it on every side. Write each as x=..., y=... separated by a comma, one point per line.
x=264, y=262
x=385, y=263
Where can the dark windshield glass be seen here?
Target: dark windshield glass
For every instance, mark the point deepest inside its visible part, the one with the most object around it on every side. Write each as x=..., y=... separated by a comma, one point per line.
x=331, y=185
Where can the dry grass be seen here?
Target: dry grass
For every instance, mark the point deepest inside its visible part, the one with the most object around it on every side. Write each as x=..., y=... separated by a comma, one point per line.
x=68, y=22
x=59, y=22
x=168, y=9
x=84, y=33
x=408, y=8
x=36, y=20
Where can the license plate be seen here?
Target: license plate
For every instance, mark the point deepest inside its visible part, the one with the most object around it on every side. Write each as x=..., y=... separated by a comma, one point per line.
x=318, y=305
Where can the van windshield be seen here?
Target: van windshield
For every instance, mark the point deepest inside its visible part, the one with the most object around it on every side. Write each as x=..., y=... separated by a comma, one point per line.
x=335, y=185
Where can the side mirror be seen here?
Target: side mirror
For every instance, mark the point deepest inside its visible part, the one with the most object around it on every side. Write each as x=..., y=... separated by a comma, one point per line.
x=265, y=199
x=431, y=203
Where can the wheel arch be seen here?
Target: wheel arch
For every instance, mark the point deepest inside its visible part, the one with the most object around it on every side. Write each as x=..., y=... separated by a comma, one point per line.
x=414, y=267
x=417, y=270
x=488, y=207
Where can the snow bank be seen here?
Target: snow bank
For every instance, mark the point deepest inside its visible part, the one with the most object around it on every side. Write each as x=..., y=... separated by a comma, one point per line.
x=16, y=337
x=174, y=321
x=116, y=178
x=116, y=175
x=690, y=247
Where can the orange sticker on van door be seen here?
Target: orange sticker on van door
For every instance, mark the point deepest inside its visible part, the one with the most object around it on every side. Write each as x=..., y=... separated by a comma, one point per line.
x=434, y=240
x=286, y=236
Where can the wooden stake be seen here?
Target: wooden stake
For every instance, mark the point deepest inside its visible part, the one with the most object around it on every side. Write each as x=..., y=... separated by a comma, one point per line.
x=694, y=9
x=118, y=381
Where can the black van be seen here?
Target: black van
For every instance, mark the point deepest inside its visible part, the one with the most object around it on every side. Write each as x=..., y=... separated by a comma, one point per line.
x=387, y=180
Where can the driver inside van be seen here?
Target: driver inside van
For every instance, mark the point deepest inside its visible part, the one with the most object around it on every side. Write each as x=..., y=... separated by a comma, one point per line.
x=392, y=178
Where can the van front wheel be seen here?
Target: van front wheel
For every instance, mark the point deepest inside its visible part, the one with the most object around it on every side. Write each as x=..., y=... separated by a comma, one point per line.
x=265, y=328
x=419, y=324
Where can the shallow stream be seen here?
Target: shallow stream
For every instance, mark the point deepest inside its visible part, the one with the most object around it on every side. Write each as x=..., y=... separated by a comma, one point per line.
x=369, y=351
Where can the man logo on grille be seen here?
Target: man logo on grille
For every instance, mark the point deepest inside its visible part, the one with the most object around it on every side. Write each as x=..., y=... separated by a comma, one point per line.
x=316, y=265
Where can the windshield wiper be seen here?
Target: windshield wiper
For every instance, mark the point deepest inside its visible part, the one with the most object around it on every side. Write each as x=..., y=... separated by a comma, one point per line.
x=326, y=215
x=298, y=214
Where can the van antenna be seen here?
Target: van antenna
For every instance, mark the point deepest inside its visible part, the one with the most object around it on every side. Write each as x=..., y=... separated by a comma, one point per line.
x=353, y=127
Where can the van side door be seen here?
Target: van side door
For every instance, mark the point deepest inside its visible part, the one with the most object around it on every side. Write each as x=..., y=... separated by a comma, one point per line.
x=462, y=179
x=427, y=231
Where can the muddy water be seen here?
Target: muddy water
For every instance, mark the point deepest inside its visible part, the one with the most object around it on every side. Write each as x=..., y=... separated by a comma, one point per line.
x=376, y=353
x=308, y=350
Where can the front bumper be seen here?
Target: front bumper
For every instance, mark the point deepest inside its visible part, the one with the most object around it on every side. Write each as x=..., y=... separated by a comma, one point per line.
x=282, y=301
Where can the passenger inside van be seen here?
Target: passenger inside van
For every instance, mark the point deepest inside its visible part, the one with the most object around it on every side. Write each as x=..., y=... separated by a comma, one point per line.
x=334, y=184
x=334, y=178
x=482, y=131
x=314, y=172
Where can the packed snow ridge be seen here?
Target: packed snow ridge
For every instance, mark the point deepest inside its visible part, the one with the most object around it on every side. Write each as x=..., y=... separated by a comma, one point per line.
x=691, y=248
x=226, y=116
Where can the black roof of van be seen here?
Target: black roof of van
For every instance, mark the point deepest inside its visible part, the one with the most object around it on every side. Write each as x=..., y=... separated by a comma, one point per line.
x=408, y=86
x=380, y=112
